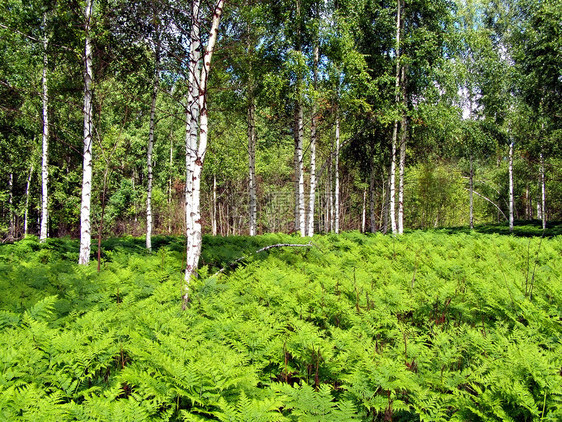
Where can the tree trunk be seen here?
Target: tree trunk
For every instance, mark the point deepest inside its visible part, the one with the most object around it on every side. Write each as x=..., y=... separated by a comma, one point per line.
x=85, y=223
x=511, y=195
x=252, y=161
x=403, y=139
x=392, y=183
x=26, y=212
x=393, y=222
x=45, y=139
x=12, y=224
x=214, y=217
x=337, y=178
x=364, y=212
x=299, y=170
x=471, y=193
x=191, y=139
x=543, y=193
x=300, y=216
x=194, y=234
x=170, y=174
x=402, y=167
x=313, y=138
x=385, y=205
x=155, y=83
x=372, y=201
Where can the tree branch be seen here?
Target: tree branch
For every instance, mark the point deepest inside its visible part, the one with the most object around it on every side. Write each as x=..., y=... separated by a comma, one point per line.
x=491, y=202
x=266, y=248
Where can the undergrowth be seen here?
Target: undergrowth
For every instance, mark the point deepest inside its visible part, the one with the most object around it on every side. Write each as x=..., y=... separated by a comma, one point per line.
x=430, y=326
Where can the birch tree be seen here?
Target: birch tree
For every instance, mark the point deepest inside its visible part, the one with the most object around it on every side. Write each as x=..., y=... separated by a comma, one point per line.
x=393, y=222
x=197, y=136
x=45, y=138
x=314, y=123
x=511, y=191
x=337, y=177
x=85, y=223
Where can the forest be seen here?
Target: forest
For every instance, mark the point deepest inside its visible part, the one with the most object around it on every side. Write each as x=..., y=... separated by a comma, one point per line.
x=307, y=210
x=319, y=116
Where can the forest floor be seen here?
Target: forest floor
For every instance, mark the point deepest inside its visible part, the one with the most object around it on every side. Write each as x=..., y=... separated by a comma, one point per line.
x=447, y=324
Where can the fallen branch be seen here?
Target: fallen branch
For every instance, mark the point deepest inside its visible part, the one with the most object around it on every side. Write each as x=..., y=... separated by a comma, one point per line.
x=266, y=248
x=491, y=202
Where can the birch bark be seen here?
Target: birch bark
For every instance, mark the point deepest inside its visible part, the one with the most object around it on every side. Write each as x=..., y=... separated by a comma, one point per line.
x=85, y=223
x=511, y=196
x=299, y=169
x=45, y=139
x=471, y=193
x=12, y=227
x=214, y=223
x=543, y=193
x=191, y=136
x=392, y=204
x=402, y=162
x=337, y=178
x=252, y=161
x=197, y=150
x=313, y=139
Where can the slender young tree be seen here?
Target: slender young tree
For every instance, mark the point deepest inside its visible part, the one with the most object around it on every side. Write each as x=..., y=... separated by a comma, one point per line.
x=403, y=139
x=252, y=159
x=543, y=193
x=45, y=138
x=511, y=191
x=85, y=223
x=393, y=222
x=313, y=141
x=337, y=177
x=197, y=140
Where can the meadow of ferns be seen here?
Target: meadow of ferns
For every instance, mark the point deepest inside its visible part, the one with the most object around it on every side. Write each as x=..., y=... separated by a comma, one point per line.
x=429, y=326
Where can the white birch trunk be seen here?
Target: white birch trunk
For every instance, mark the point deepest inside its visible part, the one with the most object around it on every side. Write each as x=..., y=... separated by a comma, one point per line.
x=471, y=194
x=12, y=227
x=252, y=163
x=195, y=236
x=385, y=205
x=191, y=137
x=511, y=195
x=543, y=193
x=337, y=178
x=85, y=223
x=402, y=162
x=392, y=196
x=299, y=170
x=214, y=223
x=26, y=211
x=401, y=169
x=170, y=173
x=313, y=138
x=150, y=147
x=364, y=213
x=393, y=222
x=45, y=139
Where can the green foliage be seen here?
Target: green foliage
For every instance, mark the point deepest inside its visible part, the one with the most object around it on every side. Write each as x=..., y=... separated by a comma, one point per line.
x=430, y=326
